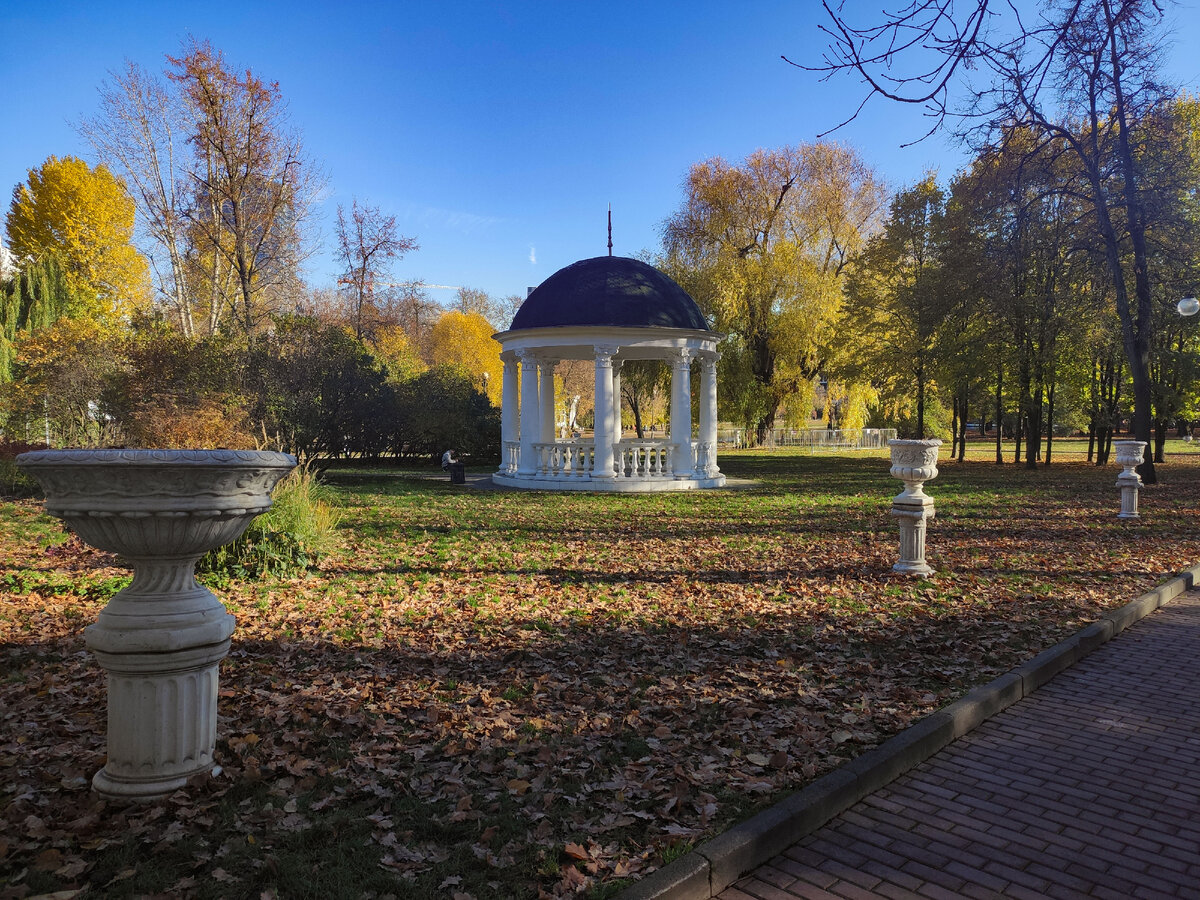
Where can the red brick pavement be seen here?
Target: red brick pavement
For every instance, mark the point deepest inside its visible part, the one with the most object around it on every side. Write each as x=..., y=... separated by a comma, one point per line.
x=1088, y=788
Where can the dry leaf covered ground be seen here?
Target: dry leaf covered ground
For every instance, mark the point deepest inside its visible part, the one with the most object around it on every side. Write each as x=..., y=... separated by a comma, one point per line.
x=495, y=694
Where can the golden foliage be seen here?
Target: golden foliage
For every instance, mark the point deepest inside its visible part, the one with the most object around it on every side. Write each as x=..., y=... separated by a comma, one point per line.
x=84, y=216
x=465, y=339
x=58, y=374
x=391, y=345
x=762, y=246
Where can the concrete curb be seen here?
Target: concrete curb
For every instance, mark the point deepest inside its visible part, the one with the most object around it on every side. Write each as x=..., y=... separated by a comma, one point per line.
x=716, y=864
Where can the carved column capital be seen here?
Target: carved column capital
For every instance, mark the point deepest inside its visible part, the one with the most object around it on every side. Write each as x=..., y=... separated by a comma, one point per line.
x=680, y=358
x=605, y=354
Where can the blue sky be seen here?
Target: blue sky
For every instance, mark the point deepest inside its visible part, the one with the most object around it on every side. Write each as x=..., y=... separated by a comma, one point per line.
x=497, y=133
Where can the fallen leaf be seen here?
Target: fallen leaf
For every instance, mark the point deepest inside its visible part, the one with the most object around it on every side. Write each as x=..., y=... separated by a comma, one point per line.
x=575, y=852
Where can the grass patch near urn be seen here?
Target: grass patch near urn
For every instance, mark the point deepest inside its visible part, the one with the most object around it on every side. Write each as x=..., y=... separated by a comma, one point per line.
x=494, y=693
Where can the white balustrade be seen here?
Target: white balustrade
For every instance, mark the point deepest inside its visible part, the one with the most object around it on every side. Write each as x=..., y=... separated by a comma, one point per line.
x=644, y=460
x=564, y=460
x=511, y=459
x=633, y=460
x=702, y=459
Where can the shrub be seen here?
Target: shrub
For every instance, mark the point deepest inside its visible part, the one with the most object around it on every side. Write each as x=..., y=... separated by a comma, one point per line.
x=14, y=482
x=442, y=409
x=175, y=392
x=286, y=540
x=202, y=424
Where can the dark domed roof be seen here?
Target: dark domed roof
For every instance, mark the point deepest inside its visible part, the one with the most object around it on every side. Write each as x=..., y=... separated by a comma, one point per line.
x=609, y=290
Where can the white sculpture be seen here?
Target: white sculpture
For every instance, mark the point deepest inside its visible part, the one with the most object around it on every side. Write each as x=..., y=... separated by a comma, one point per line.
x=1129, y=457
x=572, y=421
x=162, y=638
x=914, y=463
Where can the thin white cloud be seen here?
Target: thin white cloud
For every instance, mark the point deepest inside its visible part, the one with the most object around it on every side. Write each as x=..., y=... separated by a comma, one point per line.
x=465, y=222
x=533, y=254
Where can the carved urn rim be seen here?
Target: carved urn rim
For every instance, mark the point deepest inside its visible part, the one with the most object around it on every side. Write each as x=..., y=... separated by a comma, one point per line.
x=136, y=483
x=158, y=458
x=915, y=442
x=1130, y=449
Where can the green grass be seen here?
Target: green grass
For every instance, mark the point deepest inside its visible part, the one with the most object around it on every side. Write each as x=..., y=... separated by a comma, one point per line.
x=474, y=681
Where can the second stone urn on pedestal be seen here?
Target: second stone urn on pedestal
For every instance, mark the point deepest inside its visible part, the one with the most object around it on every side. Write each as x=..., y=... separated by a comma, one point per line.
x=914, y=463
x=162, y=638
x=1129, y=457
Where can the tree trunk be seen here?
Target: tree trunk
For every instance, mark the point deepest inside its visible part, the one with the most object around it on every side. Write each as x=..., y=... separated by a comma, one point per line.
x=999, y=413
x=1136, y=326
x=1033, y=429
x=637, y=414
x=920, y=403
x=954, y=427
x=1017, y=435
x=962, y=438
x=1050, y=421
x=763, y=427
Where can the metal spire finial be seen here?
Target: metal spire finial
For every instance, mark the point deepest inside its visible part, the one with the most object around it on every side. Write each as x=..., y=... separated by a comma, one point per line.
x=610, y=229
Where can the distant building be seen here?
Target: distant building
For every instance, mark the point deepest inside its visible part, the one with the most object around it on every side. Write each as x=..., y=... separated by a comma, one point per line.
x=8, y=263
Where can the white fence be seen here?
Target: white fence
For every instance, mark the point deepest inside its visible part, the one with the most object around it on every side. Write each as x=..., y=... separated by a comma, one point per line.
x=634, y=460
x=814, y=440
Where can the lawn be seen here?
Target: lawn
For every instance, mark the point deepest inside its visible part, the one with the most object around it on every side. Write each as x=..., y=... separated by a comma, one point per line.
x=498, y=694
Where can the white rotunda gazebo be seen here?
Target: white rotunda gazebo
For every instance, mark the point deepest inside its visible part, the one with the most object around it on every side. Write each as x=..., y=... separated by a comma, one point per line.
x=608, y=309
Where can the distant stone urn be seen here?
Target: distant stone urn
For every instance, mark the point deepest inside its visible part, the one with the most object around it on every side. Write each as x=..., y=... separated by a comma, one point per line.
x=162, y=638
x=914, y=463
x=1129, y=456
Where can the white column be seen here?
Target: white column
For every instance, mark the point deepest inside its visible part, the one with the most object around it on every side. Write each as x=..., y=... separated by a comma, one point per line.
x=617, y=400
x=681, y=411
x=708, y=411
x=529, y=419
x=603, y=412
x=546, y=395
x=508, y=409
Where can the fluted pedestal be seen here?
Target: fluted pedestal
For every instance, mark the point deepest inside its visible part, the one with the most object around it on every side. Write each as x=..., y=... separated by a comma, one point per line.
x=162, y=638
x=914, y=463
x=1129, y=457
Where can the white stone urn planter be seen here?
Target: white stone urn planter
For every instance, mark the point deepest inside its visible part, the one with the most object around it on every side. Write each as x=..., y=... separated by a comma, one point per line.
x=1129, y=457
x=914, y=463
x=162, y=638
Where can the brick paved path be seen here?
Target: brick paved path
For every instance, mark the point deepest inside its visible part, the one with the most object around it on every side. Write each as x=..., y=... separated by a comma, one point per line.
x=1088, y=788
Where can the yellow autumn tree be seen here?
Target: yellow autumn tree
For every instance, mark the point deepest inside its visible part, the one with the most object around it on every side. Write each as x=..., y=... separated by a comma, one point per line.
x=762, y=246
x=391, y=346
x=465, y=340
x=58, y=375
x=83, y=216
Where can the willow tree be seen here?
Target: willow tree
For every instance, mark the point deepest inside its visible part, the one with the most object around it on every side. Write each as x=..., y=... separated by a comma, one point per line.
x=762, y=245
x=33, y=299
